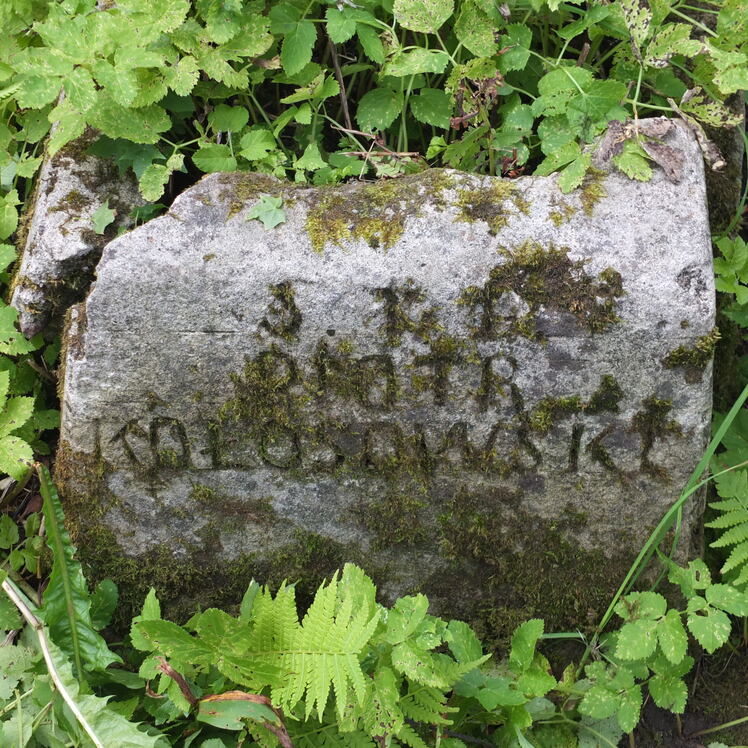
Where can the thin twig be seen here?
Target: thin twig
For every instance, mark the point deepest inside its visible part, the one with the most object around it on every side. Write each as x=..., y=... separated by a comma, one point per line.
x=339, y=77
x=15, y=596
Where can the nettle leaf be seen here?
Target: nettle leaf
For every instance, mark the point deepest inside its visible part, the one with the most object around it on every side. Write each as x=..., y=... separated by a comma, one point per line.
x=432, y=106
x=710, y=627
x=228, y=118
x=212, y=158
x=378, y=109
x=269, y=210
x=341, y=24
x=426, y=16
x=298, y=43
x=633, y=162
x=102, y=217
x=416, y=61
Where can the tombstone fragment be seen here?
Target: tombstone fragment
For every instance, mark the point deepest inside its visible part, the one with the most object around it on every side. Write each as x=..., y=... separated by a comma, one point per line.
x=477, y=388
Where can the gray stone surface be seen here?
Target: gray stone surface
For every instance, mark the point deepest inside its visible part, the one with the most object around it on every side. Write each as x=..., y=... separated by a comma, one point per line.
x=437, y=373
x=61, y=248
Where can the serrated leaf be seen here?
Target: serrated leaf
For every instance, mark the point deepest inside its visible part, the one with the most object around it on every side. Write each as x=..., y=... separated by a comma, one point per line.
x=432, y=106
x=311, y=159
x=727, y=598
x=474, y=29
x=573, y=175
x=17, y=411
x=371, y=43
x=8, y=532
x=516, y=41
x=7, y=256
x=183, y=76
x=633, y=162
x=139, y=125
x=599, y=703
x=256, y=144
x=8, y=219
x=213, y=158
x=669, y=692
x=15, y=661
x=426, y=16
x=268, y=210
x=80, y=89
x=636, y=640
x=378, y=109
x=711, y=630
x=524, y=640
x=16, y=457
x=629, y=708
x=341, y=24
x=153, y=181
x=296, y=51
x=672, y=637
x=102, y=217
x=10, y=618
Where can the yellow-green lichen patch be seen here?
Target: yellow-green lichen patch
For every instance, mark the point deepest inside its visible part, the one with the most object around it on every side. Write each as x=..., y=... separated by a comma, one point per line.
x=490, y=204
x=693, y=359
x=74, y=202
x=592, y=190
x=545, y=278
x=562, y=214
x=375, y=212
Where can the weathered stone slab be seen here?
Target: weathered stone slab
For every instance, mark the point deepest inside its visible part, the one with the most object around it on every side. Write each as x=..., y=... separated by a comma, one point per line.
x=61, y=248
x=483, y=389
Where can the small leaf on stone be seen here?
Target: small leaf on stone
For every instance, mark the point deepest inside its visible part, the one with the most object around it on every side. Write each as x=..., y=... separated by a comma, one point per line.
x=268, y=210
x=102, y=217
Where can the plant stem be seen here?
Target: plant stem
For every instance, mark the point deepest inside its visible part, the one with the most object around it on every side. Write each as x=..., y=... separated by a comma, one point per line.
x=718, y=728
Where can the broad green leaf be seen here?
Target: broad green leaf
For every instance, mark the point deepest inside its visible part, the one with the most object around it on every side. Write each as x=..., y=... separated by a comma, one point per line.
x=416, y=61
x=256, y=144
x=171, y=640
x=231, y=118
x=516, y=41
x=711, y=628
x=599, y=703
x=10, y=618
x=212, y=158
x=406, y=617
x=268, y=210
x=371, y=43
x=635, y=605
x=66, y=608
x=296, y=51
x=15, y=662
x=672, y=637
x=103, y=603
x=4, y=384
x=669, y=692
x=102, y=217
x=8, y=532
x=499, y=692
x=727, y=598
x=341, y=24
x=629, y=708
x=153, y=181
x=636, y=640
x=16, y=457
x=228, y=711
x=8, y=219
x=432, y=106
x=475, y=30
x=694, y=577
x=17, y=411
x=378, y=109
x=140, y=125
x=80, y=89
x=637, y=17
x=426, y=16
x=7, y=256
x=183, y=76
x=151, y=612
x=524, y=640
x=311, y=160
x=35, y=91
x=463, y=642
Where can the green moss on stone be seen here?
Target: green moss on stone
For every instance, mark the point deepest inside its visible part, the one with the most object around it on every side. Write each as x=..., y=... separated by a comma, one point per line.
x=489, y=204
x=693, y=359
x=592, y=190
x=563, y=213
x=375, y=212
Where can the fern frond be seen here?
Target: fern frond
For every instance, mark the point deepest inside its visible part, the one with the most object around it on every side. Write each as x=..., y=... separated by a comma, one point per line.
x=426, y=704
x=732, y=537
x=737, y=557
x=742, y=578
x=408, y=736
x=729, y=505
x=729, y=519
x=315, y=735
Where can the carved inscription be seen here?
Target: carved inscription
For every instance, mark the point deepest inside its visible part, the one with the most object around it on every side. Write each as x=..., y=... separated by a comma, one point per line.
x=399, y=402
